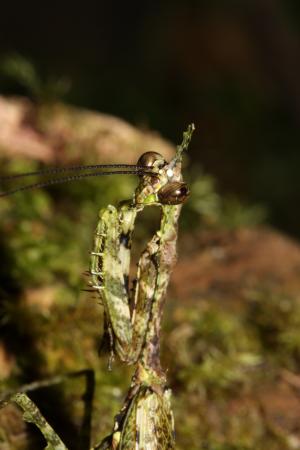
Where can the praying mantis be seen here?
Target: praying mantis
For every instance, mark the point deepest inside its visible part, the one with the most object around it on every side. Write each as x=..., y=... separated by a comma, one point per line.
x=133, y=318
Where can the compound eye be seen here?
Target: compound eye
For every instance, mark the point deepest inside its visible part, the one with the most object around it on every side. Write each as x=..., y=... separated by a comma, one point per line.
x=173, y=193
x=149, y=159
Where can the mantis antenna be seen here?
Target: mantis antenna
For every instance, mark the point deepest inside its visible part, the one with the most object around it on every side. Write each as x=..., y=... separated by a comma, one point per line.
x=131, y=170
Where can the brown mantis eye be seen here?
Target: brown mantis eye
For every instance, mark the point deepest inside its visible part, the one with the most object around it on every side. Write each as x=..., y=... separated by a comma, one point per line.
x=173, y=193
x=149, y=158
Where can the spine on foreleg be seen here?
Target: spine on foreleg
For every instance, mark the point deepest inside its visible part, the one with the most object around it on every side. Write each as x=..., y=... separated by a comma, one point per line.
x=106, y=259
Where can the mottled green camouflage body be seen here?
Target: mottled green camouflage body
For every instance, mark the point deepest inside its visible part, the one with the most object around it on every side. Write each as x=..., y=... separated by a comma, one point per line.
x=134, y=321
x=149, y=421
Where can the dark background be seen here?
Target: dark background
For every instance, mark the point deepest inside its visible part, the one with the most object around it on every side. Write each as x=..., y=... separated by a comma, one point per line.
x=232, y=67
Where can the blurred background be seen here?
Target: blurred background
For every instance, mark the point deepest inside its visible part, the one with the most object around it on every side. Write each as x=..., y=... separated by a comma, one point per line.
x=71, y=76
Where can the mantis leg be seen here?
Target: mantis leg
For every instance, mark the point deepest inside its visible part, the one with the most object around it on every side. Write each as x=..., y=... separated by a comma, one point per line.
x=110, y=263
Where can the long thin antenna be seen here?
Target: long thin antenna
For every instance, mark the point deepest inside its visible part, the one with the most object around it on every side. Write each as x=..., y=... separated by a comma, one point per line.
x=53, y=181
x=55, y=170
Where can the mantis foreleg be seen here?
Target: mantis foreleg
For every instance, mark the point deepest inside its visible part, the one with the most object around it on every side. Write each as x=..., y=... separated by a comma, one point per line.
x=110, y=262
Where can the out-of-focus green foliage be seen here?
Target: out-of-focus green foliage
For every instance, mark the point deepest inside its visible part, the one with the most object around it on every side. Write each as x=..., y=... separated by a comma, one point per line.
x=277, y=320
x=22, y=71
x=213, y=347
x=219, y=359
x=215, y=211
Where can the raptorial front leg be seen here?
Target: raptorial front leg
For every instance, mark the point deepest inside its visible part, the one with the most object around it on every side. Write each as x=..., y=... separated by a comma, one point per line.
x=143, y=295
x=127, y=318
x=108, y=269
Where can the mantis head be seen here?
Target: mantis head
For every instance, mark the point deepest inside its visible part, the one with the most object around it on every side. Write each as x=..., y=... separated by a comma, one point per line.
x=165, y=186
